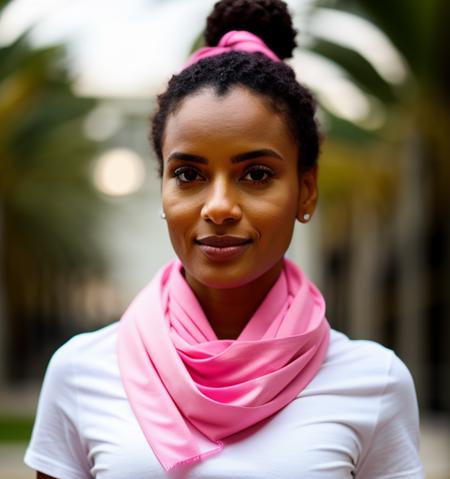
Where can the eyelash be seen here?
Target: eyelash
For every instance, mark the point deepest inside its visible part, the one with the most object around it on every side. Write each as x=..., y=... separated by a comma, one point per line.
x=266, y=170
x=178, y=172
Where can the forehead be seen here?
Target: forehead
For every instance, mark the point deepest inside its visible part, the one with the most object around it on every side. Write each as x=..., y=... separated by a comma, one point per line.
x=238, y=116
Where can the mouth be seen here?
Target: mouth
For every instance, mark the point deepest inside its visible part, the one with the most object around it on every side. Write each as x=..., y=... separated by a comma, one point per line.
x=222, y=241
x=222, y=247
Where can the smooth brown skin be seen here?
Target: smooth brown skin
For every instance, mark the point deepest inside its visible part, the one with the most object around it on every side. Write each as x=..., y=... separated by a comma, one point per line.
x=224, y=199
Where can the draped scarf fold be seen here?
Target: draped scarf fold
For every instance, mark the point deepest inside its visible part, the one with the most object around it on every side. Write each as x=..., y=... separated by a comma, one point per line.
x=188, y=389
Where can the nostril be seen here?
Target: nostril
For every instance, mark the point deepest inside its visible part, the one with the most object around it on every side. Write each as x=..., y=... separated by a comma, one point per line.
x=221, y=213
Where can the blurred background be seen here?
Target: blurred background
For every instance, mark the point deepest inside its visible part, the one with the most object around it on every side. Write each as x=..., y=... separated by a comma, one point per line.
x=80, y=231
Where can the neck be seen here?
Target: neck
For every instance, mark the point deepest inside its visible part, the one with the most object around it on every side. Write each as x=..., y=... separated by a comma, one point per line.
x=229, y=310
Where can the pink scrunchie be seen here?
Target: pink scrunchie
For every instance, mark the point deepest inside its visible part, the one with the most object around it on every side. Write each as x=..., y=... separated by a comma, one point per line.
x=236, y=40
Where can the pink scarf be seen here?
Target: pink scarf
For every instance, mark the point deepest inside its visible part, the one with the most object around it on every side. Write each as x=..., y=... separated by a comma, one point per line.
x=188, y=389
x=236, y=40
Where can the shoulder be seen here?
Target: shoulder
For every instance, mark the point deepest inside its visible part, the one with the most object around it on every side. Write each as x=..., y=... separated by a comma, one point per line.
x=358, y=367
x=367, y=382
x=344, y=349
x=377, y=389
x=83, y=356
x=97, y=340
x=374, y=370
x=370, y=360
x=77, y=372
x=98, y=343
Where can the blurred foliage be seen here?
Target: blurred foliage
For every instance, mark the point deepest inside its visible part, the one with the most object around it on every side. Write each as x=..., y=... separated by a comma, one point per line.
x=420, y=107
x=412, y=151
x=48, y=205
x=418, y=29
x=45, y=160
x=15, y=429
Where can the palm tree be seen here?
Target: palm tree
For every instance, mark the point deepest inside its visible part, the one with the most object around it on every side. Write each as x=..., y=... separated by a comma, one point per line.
x=48, y=206
x=416, y=245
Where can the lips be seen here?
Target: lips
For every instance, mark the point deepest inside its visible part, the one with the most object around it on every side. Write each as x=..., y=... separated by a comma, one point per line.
x=222, y=247
x=222, y=241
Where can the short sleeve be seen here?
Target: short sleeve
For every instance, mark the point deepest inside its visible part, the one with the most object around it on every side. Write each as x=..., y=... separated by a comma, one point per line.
x=56, y=448
x=393, y=451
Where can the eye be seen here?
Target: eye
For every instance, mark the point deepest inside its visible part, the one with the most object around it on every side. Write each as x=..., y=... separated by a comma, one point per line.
x=187, y=174
x=258, y=174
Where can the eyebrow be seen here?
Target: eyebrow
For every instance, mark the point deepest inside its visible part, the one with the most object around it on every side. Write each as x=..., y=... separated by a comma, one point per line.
x=250, y=155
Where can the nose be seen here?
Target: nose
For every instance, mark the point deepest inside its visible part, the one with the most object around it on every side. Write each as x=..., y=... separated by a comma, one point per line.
x=221, y=205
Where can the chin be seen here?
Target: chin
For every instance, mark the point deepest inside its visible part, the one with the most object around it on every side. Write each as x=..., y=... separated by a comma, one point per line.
x=221, y=279
x=227, y=276
x=224, y=283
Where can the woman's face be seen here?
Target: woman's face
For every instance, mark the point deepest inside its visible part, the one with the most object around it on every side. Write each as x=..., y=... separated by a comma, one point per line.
x=231, y=190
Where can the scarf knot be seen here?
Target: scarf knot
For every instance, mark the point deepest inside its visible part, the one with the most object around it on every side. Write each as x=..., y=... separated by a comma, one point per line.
x=188, y=389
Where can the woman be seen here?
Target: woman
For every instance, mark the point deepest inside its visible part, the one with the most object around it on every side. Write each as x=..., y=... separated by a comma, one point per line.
x=224, y=366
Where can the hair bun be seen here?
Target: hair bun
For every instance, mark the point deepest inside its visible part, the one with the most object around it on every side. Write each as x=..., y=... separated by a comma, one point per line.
x=269, y=19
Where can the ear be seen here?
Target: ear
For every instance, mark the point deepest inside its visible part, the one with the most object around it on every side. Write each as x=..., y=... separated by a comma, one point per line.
x=308, y=194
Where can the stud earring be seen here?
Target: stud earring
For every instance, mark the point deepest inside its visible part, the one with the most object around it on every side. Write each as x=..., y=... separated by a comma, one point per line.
x=162, y=215
x=306, y=217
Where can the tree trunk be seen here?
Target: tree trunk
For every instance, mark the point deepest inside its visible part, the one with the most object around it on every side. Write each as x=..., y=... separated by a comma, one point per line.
x=364, y=278
x=411, y=257
x=3, y=308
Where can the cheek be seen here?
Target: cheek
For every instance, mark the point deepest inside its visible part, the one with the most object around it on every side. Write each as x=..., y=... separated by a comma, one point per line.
x=274, y=220
x=174, y=205
x=279, y=208
x=181, y=217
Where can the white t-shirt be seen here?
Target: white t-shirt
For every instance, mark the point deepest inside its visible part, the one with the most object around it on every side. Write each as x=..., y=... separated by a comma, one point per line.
x=357, y=418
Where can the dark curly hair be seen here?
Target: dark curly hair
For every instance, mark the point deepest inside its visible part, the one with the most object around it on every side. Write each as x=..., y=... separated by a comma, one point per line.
x=268, y=19
x=275, y=81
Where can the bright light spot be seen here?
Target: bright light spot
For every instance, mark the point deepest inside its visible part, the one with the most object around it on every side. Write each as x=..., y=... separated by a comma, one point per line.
x=358, y=34
x=119, y=172
x=103, y=122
